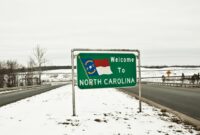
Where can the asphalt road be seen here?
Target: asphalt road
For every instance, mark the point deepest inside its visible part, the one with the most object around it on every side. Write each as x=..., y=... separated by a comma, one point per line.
x=184, y=100
x=14, y=96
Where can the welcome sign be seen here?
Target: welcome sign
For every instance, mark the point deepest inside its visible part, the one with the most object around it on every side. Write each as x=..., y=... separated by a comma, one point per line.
x=106, y=70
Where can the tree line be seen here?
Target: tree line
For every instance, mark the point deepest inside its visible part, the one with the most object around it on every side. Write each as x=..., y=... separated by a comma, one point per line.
x=8, y=68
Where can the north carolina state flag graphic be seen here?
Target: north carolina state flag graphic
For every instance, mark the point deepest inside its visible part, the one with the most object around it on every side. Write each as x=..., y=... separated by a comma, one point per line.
x=95, y=67
x=103, y=66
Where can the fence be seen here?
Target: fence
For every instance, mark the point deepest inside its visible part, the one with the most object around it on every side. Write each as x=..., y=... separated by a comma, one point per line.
x=173, y=84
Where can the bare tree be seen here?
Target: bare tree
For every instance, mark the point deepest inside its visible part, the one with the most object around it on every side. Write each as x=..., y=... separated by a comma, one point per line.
x=29, y=75
x=1, y=74
x=182, y=77
x=11, y=66
x=39, y=59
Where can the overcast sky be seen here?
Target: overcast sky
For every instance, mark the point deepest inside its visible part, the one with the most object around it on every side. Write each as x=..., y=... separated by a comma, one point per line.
x=166, y=32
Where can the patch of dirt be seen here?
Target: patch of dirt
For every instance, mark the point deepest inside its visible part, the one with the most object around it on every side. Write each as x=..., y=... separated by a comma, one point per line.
x=179, y=131
x=99, y=120
x=159, y=131
x=70, y=122
x=163, y=110
x=126, y=119
x=64, y=123
x=108, y=114
x=176, y=120
x=164, y=114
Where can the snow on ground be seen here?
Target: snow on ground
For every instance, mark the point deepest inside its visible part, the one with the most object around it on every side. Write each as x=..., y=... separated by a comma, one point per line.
x=61, y=75
x=175, y=71
x=99, y=112
x=65, y=74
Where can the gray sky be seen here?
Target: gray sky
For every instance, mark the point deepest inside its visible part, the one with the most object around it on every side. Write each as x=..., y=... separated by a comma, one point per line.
x=167, y=32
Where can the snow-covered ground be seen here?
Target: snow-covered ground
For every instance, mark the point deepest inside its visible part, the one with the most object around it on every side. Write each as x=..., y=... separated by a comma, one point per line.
x=99, y=112
x=175, y=71
x=57, y=75
x=65, y=74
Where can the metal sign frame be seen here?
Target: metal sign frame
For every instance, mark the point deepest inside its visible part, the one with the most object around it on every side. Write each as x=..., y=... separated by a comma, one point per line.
x=100, y=50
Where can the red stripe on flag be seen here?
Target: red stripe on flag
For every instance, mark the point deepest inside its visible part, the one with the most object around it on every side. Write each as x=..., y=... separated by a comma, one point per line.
x=102, y=62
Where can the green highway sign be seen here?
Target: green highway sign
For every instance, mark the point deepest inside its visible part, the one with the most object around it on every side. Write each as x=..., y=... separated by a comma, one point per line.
x=106, y=70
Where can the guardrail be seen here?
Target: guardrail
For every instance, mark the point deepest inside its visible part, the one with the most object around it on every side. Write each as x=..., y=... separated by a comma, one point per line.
x=23, y=87
x=173, y=84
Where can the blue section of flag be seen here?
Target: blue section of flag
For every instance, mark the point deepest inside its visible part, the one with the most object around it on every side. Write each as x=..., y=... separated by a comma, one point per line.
x=90, y=67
